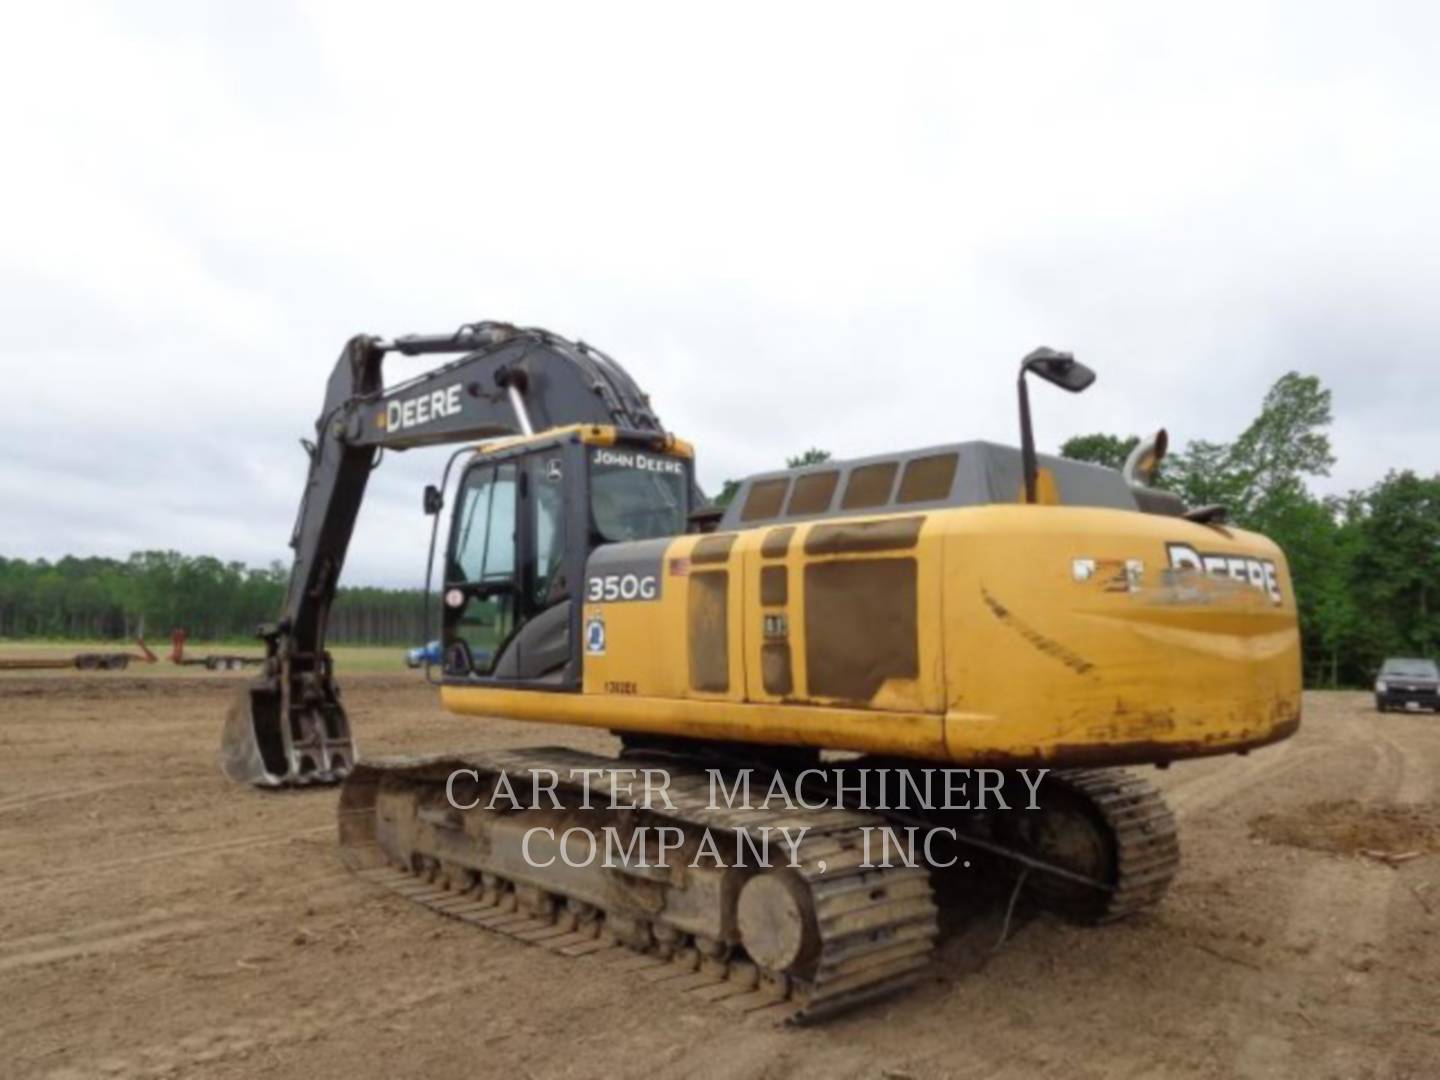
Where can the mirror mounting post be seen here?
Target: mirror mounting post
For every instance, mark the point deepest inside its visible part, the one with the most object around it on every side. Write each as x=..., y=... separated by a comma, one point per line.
x=1060, y=368
x=1027, y=440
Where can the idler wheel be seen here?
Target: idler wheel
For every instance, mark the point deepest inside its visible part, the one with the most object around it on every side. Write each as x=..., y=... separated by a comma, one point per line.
x=777, y=921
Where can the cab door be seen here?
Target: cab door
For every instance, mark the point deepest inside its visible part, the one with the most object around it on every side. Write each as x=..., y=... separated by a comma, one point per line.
x=481, y=595
x=509, y=613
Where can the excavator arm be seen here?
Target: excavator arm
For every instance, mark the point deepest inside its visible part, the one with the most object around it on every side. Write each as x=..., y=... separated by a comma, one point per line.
x=289, y=726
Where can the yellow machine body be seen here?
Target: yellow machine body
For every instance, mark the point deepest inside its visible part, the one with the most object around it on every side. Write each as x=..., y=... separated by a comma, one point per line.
x=997, y=634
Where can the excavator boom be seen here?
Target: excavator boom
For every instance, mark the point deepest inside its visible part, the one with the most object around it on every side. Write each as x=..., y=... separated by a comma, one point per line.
x=290, y=726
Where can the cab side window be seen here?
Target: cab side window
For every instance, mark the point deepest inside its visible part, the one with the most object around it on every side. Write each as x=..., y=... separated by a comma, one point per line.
x=482, y=569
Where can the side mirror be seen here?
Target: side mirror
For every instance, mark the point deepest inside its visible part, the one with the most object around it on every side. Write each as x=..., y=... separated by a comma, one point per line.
x=1060, y=368
x=434, y=501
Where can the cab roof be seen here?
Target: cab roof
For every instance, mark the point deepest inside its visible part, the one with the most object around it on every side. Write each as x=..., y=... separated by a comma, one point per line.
x=592, y=435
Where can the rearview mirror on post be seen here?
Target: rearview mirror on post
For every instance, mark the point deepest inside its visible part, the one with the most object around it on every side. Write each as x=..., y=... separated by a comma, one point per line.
x=1060, y=368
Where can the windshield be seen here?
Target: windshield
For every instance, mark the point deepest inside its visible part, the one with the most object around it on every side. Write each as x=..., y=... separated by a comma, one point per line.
x=1420, y=669
x=635, y=495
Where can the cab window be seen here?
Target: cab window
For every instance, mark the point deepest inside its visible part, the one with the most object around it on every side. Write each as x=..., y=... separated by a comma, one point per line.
x=636, y=496
x=482, y=569
x=547, y=584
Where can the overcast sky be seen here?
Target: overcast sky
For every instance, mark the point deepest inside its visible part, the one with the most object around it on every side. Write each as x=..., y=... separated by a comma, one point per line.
x=794, y=224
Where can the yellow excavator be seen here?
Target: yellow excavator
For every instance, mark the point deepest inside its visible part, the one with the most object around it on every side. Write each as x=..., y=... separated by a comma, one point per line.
x=839, y=634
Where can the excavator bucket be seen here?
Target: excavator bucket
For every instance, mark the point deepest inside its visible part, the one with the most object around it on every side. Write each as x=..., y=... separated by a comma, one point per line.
x=269, y=744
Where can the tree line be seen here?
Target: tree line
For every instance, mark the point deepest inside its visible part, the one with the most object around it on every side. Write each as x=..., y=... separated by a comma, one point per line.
x=154, y=592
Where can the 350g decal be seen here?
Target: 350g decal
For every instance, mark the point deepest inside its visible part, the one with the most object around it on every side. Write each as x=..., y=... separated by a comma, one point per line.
x=1260, y=573
x=610, y=587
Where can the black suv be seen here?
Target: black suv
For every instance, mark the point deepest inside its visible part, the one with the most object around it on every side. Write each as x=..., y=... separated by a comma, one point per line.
x=1407, y=684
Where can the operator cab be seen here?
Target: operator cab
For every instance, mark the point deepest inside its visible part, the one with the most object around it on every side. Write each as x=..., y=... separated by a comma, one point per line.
x=528, y=514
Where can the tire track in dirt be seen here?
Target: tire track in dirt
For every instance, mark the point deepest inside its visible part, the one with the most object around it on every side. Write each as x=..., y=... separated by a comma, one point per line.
x=332, y=891
x=1336, y=920
x=215, y=1045
x=1339, y=911
x=26, y=800
x=1386, y=774
x=1231, y=777
x=104, y=943
x=95, y=927
x=226, y=846
x=1417, y=783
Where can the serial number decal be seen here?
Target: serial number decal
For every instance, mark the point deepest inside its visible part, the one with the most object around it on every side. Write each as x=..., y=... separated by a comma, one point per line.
x=622, y=587
x=1260, y=573
x=621, y=688
x=421, y=409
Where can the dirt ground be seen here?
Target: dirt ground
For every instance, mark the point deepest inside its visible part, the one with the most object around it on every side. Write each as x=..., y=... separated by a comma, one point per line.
x=155, y=921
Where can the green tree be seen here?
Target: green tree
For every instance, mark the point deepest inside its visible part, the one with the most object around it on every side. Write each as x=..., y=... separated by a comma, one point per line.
x=154, y=592
x=813, y=456
x=1100, y=449
x=1288, y=439
x=1204, y=475
x=1396, y=566
x=1282, y=446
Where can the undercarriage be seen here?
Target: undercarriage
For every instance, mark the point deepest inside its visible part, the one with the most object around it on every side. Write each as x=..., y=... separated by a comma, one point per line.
x=792, y=910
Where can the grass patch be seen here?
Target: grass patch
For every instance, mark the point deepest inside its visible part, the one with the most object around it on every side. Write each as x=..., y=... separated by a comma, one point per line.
x=350, y=659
